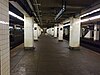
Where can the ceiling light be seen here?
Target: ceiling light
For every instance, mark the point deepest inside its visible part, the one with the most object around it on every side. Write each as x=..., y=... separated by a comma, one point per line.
x=3, y=22
x=14, y=15
x=91, y=18
x=10, y=27
x=84, y=20
x=94, y=11
x=67, y=24
x=60, y=12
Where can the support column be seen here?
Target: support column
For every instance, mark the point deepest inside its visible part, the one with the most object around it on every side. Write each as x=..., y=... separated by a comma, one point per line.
x=60, y=33
x=52, y=31
x=4, y=38
x=28, y=32
x=66, y=31
x=15, y=26
x=96, y=32
x=55, y=31
x=81, y=31
x=38, y=31
x=35, y=32
x=74, y=40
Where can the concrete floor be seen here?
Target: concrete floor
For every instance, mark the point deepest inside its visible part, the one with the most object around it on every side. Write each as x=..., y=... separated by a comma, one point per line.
x=54, y=58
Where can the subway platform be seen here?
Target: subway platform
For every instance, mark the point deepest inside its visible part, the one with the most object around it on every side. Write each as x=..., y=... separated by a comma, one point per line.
x=51, y=57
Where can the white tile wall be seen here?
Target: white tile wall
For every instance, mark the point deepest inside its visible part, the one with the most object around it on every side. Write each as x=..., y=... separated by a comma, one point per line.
x=4, y=38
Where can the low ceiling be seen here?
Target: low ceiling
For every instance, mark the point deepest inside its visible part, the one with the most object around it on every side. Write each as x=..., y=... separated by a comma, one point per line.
x=48, y=9
x=14, y=20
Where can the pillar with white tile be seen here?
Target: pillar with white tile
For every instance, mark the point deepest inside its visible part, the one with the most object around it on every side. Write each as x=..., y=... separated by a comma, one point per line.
x=4, y=38
x=66, y=31
x=96, y=32
x=74, y=40
x=28, y=32
x=35, y=31
x=55, y=31
x=52, y=31
x=39, y=31
x=60, y=32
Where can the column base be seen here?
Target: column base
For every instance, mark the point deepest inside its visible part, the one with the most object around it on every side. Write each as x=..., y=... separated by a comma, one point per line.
x=74, y=48
x=52, y=35
x=39, y=37
x=96, y=40
x=60, y=40
x=55, y=37
x=35, y=40
x=29, y=48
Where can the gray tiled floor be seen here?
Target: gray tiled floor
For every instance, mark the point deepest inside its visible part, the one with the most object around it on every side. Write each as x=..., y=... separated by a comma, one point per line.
x=54, y=58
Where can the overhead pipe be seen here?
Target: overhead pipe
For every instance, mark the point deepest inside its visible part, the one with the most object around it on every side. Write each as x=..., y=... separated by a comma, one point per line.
x=38, y=10
x=60, y=14
x=34, y=11
x=24, y=4
x=62, y=10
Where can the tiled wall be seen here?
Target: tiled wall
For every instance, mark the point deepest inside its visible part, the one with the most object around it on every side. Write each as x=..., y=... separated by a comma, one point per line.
x=4, y=38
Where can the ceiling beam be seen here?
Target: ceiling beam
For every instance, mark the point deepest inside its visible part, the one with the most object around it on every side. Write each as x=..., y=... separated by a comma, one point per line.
x=16, y=5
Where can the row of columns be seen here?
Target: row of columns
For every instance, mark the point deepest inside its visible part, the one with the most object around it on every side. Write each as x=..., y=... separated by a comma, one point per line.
x=75, y=32
x=57, y=30
x=74, y=42
x=31, y=32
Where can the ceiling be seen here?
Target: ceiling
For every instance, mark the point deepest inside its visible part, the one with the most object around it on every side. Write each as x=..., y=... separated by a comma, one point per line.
x=48, y=9
x=14, y=20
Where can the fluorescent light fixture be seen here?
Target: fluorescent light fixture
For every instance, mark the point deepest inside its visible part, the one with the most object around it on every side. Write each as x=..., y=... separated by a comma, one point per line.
x=84, y=20
x=67, y=24
x=91, y=18
x=10, y=27
x=3, y=22
x=95, y=17
x=18, y=17
x=94, y=11
x=18, y=28
x=60, y=13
